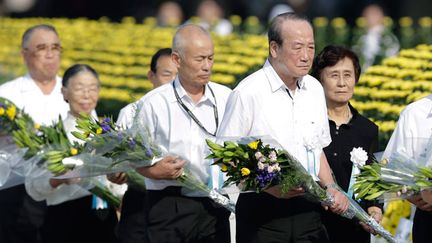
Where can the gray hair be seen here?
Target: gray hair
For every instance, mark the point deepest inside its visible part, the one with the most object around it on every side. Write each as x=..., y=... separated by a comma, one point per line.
x=178, y=40
x=274, y=33
x=28, y=33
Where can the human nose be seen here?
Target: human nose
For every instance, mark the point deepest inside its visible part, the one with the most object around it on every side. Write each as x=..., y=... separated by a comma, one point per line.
x=340, y=82
x=304, y=54
x=207, y=64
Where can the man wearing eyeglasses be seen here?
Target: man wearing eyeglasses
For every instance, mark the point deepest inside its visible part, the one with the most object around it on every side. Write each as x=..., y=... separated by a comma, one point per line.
x=39, y=94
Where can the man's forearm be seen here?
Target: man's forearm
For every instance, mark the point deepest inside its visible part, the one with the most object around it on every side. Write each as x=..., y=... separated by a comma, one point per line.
x=325, y=173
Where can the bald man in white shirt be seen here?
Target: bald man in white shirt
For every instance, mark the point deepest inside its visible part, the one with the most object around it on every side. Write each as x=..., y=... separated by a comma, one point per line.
x=39, y=94
x=180, y=116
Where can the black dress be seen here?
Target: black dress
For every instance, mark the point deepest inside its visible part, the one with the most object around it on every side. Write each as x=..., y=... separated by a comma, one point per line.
x=358, y=132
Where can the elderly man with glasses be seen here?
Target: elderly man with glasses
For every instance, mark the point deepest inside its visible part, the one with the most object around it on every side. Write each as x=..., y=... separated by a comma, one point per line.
x=39, y=94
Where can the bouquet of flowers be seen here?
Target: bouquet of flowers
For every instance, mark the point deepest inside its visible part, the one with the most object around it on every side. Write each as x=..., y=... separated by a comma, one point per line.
x=398, y=177
x=255, y=166
x=41, y=146
x=110, y=149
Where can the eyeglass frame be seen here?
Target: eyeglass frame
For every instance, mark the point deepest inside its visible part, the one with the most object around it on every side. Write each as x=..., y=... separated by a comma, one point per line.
x=43, y=49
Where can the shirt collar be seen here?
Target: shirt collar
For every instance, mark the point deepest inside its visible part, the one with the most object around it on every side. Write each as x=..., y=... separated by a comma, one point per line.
x=275, y=81
x=32, y=84
x=208, y=96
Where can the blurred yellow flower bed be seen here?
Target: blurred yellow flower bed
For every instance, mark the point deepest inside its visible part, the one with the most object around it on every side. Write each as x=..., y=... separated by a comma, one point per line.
x=121, y=53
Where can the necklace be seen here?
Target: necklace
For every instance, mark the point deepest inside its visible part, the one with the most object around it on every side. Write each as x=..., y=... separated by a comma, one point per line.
x=193, y=117
x=344, y=119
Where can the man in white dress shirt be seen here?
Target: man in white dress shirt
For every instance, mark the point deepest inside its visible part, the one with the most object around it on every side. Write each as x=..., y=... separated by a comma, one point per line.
x=39, y=94
x=412, y=138
x=180, y=116
x=131, y=227
x=282, y=101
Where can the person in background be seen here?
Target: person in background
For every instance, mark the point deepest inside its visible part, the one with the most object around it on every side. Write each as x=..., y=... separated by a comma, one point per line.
x=378, y=41
x=282, y=101
x=162, y=70
x=70, y=217
x=338, y=70
x=179, y=117
x=38, y=93
x=169, y=14
x=211, y=17
x=132, y=225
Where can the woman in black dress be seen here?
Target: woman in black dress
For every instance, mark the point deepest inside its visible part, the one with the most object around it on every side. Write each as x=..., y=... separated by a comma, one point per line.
x=338, y=70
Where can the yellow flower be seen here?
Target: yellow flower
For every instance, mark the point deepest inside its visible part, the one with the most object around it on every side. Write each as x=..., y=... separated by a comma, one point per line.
x=11, y=112
x=224, y=168
x=36, y=126
x=2, y=111
x=253, y=145
x=245, y=171
x=73, y=151
x=99, y=130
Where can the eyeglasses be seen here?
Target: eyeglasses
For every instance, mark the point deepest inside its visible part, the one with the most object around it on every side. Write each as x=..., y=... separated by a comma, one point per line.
x=83, y=91
x=43, y=49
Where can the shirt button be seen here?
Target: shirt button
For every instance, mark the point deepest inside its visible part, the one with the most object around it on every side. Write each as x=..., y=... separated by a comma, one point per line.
x=334, y=154
x=337, y=132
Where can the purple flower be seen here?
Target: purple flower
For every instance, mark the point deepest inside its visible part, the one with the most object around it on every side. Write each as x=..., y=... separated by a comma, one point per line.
x=106, y=120
x=266, y=178
x=119, y=137
x=105, y=127
x=148, y=152
x=131, y=143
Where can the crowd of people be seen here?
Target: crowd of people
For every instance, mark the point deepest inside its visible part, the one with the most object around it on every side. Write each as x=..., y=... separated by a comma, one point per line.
x=280, y=100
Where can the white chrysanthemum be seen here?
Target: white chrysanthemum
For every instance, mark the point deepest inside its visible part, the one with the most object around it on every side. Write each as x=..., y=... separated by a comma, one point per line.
x=358, y=157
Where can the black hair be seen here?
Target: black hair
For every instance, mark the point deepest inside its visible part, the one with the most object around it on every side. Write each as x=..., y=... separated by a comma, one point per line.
x=275, y=33
x=73, y=70
x=28, y=33
x=155, y=57
x=330, y=56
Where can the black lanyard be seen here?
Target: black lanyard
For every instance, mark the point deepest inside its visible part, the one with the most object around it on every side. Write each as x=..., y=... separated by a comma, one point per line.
x=191, y=115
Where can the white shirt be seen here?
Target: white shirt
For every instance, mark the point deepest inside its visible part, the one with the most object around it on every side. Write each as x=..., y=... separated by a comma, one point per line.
x=261, y=106
x=127, y=115
x=174, y=130
x=43, y=109
x=412, y=136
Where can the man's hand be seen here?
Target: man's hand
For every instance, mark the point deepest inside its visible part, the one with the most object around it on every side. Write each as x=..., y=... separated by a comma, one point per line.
x=375, y=213
x=418, y=201
x=168, y=168
x=276, y=192
x=341, y=202
x=57, y=182
x=426, y=195
x=117, y=178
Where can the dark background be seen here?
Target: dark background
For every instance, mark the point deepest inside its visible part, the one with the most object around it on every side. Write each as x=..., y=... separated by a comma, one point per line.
x=116, y=9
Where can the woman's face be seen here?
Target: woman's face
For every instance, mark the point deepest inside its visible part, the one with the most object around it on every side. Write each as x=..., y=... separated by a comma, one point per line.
x=82, y=93
x=339, y=81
